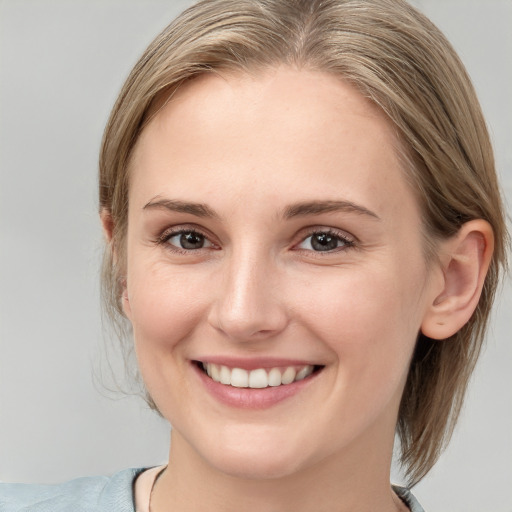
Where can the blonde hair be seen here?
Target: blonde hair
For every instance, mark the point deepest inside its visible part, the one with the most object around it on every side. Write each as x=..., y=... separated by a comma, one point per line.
x=397, y=58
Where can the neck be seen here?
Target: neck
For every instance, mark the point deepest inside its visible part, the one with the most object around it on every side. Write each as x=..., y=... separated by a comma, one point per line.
x=356, y=480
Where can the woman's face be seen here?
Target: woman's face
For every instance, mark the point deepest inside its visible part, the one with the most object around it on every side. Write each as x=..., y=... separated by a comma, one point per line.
x=273, y=240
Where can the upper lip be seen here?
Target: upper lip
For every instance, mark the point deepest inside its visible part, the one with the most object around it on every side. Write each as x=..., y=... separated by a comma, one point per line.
x=253, y=363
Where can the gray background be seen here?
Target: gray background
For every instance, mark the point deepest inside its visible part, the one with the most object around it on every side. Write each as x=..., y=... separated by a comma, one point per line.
x=61, y=66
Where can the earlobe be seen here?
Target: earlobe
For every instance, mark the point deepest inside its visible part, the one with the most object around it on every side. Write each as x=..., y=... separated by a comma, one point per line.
x=125, y=302
x=465, y=259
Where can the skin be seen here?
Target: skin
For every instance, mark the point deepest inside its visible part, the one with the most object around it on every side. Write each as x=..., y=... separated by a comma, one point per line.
x=249, y=147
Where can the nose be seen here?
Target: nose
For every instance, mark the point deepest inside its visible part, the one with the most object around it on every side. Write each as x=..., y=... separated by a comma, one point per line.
x=249, y=304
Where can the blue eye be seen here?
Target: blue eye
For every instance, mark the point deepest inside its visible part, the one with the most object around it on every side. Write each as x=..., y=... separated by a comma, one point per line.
x=189, y=240
x=324, y=241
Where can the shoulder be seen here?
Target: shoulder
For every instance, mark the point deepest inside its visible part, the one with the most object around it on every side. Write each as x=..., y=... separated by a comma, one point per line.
x=89, y=494
x=408, y=498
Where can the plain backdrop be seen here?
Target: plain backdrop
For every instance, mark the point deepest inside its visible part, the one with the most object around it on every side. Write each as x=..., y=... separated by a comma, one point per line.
x=61, y=66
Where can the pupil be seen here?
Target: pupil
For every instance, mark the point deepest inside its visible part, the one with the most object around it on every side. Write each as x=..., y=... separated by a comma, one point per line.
x=191, y=240
x=324, y=242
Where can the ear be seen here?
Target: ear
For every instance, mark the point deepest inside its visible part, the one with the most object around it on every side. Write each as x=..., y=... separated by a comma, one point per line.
x=107, y=223
x=465, y=259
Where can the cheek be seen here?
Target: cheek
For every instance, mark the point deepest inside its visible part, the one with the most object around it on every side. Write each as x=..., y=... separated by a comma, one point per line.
x=369, y=319
x=164, y=306
x=165, y=310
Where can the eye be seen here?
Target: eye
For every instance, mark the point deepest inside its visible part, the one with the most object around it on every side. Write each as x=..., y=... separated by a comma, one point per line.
x=188, y=240
x=325, y=241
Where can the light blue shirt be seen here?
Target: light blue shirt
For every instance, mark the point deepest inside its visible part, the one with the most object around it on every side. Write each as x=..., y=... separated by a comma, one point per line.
x=97, y=494
x=89, y=494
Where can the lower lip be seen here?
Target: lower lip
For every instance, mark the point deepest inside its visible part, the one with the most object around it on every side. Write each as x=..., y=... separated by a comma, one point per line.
x=250, y=398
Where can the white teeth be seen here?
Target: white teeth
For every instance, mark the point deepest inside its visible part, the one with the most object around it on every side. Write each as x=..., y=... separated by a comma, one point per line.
x=215, y=373
x=274, y=377
x=303, y=373
x=239, y=378
x=288, y=375
x=258, y=378
x=225, y=375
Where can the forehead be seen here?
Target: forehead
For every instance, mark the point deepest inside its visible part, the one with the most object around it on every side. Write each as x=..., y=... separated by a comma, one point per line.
x=278, y=133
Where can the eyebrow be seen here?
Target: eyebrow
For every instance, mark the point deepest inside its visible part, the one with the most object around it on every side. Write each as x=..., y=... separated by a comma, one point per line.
x=197, y=209
x=295, y=210
x=319, y=207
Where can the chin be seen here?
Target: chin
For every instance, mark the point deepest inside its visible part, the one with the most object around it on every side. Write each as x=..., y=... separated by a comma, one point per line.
x=257, y=467
x=257, y=458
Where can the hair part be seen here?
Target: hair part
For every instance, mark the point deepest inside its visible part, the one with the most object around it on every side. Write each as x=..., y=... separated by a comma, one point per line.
x=399, y=60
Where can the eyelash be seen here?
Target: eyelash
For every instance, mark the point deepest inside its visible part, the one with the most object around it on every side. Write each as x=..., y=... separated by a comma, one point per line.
x=346, y=241
x=164, y=238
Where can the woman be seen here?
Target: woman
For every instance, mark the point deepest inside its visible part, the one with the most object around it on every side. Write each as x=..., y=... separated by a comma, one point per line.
x=305, y=234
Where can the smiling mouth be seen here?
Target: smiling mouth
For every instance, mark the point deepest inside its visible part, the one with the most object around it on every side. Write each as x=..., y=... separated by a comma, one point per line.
x=258, y=378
